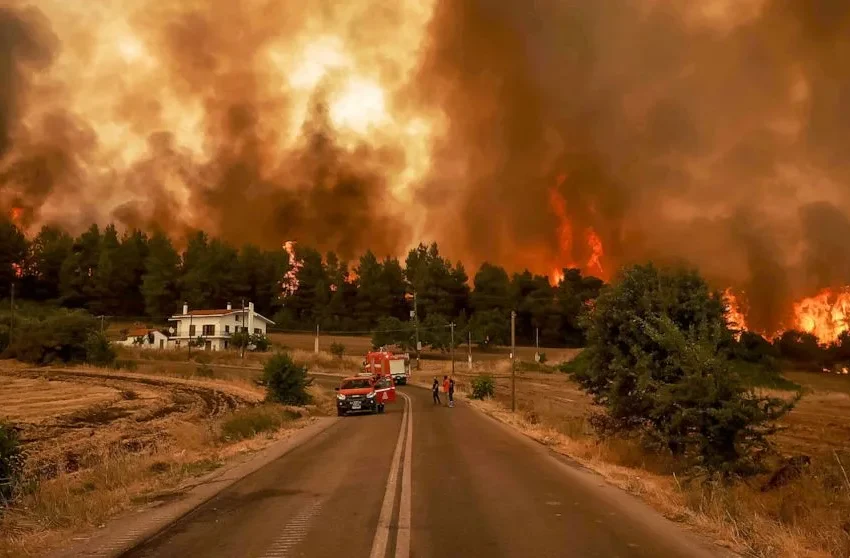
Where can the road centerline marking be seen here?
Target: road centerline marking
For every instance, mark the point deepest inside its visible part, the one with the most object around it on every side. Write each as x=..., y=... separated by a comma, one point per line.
x=382, y=533
x=402, y=546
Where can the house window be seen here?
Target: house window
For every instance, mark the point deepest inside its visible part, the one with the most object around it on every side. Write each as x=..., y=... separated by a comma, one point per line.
x=191, y=331
x=209, y=329
x=227, y=329
x=237, y=318
x=258, y=331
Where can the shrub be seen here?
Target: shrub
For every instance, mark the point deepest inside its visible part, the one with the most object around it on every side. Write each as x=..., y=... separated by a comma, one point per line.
x=542, y=358
x=204, y=371
x=59, y=337
x=99, y=350
x=11, y=462
x=247, y=423
x=124, y=364
x=483, y=387
x=285, y=381
x=657, y=360
x=337, y=349
x=260, y=342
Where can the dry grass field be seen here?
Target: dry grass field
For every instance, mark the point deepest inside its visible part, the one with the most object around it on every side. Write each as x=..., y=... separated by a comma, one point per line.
x=99, y=442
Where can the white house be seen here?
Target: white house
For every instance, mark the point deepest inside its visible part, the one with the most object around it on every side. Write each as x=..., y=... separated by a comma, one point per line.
x=146, y=338
x=215, y=326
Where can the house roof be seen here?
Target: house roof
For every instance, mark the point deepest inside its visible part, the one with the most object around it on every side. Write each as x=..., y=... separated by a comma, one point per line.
x=215, y=313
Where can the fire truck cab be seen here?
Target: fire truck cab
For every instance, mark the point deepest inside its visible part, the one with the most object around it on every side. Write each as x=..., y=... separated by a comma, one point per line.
x=383, y=362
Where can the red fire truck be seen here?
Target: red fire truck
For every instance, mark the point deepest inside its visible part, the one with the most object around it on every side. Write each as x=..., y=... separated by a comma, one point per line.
x=384, y=362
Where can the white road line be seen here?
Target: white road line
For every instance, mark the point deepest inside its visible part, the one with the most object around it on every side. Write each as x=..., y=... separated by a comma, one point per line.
x=293, y=532
x=402, y=543
x=382, y=534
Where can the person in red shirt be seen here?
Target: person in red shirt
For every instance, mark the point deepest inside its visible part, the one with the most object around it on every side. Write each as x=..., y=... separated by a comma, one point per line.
x=446, y=389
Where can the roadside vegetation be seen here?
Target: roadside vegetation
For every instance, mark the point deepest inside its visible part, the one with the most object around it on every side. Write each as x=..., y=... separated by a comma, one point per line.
x=666, y=403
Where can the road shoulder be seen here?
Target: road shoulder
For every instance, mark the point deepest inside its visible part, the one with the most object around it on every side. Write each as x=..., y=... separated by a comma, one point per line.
x=630, y=504
x=128, y=531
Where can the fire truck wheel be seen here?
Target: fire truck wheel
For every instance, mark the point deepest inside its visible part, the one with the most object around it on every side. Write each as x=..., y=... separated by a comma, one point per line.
x=340, y=413
x=380, y=408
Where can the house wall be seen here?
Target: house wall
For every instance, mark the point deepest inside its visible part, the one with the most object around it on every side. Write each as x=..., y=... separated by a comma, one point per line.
x=146, y=344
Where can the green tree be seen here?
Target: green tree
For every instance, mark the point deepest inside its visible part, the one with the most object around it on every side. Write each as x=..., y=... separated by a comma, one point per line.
x=129, y=261
x=392, y=331
x=657, y=362
x=491, y=328
x=48, y=251
x=107, y=296
x=77, y=277
x=13, y=255
x=11, y=462
x=259, y=277
x=440, y=287
x=308, y=303
x=160, y=281
x=286, y=382
x=492, y=289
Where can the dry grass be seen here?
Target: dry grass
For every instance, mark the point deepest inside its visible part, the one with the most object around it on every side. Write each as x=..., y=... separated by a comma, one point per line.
x=130, y=444
x=808, y=516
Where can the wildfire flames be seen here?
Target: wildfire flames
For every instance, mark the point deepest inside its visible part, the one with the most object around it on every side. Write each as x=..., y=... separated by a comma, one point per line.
x=565, y=259
x=824, y=315
x=734, y=316
x=290, y=279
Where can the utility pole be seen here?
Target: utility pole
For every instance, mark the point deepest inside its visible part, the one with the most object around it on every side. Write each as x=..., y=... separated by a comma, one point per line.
x=469, y=348
x=316, y=344
x=12, y=318
x=453, y=348
x=416, y=329
x=189, y=335
x=101, y=323
x=537, y=344
x=513, y=358
x=244, y=338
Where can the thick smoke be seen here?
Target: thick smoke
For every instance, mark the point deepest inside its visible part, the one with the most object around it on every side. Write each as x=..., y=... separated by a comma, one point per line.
x=712, y=133
x=709, y=132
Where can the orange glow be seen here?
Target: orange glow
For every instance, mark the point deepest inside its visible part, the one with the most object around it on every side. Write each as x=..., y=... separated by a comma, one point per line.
x=556, y=277
x=594, y=264
x=734, y=316
x=290, y=279
x=824, y=315
x=15, y=214
x=19, y=271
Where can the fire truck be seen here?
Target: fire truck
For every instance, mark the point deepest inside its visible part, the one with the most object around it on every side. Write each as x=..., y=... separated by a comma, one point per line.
x=384, y=362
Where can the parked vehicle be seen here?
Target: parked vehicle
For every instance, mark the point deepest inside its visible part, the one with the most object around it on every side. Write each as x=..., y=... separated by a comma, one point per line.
x=359, y=394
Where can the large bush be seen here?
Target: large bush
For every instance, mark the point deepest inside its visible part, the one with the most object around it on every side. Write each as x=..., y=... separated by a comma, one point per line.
x=99, y=350
x=658, y=361
x=285, y=381
x=11, y=462
x=483, y=387
x=62, y=337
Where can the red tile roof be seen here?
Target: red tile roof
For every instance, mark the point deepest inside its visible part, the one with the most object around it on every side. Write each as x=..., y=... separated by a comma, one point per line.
x=139, y=332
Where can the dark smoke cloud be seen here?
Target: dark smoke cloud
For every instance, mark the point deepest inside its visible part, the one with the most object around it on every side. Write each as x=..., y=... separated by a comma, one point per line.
x=721, y=142
x=713, y=133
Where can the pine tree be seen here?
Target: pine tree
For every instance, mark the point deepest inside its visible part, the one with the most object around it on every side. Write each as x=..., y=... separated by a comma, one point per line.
x=160, y=283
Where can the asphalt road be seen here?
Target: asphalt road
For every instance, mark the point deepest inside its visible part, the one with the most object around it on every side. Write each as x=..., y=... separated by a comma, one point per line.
x=423, y=482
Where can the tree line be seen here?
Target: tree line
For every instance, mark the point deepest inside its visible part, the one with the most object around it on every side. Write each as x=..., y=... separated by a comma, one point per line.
x=136, y=274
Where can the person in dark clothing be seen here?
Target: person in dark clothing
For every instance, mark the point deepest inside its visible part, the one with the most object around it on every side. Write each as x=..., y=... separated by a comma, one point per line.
x=451, y=392
x=435, y=390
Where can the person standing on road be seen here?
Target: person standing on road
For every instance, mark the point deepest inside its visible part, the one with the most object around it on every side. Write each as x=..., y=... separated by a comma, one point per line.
x=446, y=390
x=435, y=390
x=451, y=392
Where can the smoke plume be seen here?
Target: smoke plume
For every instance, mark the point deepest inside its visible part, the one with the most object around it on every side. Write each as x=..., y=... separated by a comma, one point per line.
x=712, y=133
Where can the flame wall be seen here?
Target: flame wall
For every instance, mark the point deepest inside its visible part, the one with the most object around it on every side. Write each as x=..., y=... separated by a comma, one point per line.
x=711, y=132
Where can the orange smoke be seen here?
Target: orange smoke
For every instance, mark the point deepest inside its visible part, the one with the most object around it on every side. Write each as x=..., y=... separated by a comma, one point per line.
x=824, y=315
x=734, y=316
